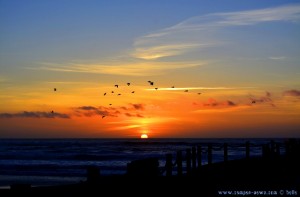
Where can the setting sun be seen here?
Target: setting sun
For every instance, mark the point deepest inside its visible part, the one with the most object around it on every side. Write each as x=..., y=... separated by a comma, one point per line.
x=144, y=136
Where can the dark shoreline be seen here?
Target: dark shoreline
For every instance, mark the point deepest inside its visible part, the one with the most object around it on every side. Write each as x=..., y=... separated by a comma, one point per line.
x=272, y=173
x=256, y=174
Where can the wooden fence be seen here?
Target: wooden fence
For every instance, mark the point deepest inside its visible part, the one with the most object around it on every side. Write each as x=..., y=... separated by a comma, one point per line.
x=193, y=156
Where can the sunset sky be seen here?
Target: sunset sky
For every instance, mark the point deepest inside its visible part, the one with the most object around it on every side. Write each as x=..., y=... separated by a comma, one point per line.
x=221, y=68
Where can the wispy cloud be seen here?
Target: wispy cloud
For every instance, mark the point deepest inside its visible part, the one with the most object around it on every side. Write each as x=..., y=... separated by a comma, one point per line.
x=199, y=30
x=129, y=110
x=214, y=106
x=198, y=88
x=263, y=99
x=38, y=114
x=294, y=93
x=90, y=111
x=211, y=102
x=135, y=68
x=155, y=52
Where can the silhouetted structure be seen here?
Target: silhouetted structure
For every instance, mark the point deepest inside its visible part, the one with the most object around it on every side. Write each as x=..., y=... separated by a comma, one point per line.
x=143, y=167
x=93, y=174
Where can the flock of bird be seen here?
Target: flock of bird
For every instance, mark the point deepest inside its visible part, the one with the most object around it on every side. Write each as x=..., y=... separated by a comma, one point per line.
x=151, y=83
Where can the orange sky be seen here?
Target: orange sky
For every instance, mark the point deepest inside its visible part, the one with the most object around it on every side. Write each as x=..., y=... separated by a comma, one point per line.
x=165, y=112
x=242, y=56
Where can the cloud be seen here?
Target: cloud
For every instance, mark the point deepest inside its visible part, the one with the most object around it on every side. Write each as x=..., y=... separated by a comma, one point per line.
x=138, y=106
x=197, y=32
x=263, y=99
x=38, y=114
x=126, y=67
x=198, y=88
x=294, y=93
x=90, y=111
x=134, y=115
x=155, y=52
x=87, y=108
x=214, y=103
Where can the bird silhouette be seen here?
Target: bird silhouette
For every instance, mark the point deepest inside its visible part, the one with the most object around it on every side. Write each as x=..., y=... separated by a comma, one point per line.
x=117, y=86
x=52, y=111
x=103, y=116
x=156, y=88
x=151, y=82
x=132, y=92
x=186, y=90
x=199, y=93
x=54, y=89
x=104, y=93
x=173, y=87
x=112, y=92
x=253, y=102
x=119, y=94
x=110, y=104
x=128, y=84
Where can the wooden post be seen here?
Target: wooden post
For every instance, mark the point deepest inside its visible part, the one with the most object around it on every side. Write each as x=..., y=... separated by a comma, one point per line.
x=225, y=152
x=266, y=150
x=263, y=152
x=199, y=155
x=247, y=150
x=278, y=149
x=209, y=154
x=188, y=160
x=194, y=158
x=179, y=163
x=272, y=145
x=168, y=164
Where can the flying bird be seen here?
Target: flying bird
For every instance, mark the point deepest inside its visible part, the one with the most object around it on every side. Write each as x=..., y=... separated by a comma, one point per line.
x=253, y=102
x=117, y=86
x=119, y=94
x=156, y=88
x=173, y=87
x=128, y=84
x=199, y=93
x=112, y=92
x=104, y=93
x=52, y=111
x=110, y=104
x=54, y=89
x=132, y=92
x=103, y=116
x=151, y=82
x=186, y=90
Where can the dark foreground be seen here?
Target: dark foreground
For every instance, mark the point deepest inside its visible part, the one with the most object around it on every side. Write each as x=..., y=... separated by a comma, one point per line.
x=278, y=176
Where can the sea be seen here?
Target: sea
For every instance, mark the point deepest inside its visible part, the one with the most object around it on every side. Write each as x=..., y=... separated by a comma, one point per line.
x=42, y=162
